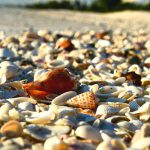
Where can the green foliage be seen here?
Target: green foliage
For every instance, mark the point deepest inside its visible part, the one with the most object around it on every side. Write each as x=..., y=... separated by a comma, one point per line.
x=96, y=6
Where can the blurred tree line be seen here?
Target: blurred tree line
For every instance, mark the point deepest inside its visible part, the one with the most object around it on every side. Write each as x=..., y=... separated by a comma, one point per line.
x=96, y=5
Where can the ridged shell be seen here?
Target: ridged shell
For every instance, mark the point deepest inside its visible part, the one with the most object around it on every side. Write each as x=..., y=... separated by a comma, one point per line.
x=106, y=109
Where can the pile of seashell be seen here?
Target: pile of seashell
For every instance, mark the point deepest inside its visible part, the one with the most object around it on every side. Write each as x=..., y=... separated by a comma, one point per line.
x=75, y=91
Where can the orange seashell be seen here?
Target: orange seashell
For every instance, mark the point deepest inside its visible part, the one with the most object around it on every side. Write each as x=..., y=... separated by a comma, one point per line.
x=65, y=44
x=85, y=100
x=57, y=81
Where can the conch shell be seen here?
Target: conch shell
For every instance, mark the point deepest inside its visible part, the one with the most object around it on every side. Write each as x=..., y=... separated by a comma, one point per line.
x=53, y=82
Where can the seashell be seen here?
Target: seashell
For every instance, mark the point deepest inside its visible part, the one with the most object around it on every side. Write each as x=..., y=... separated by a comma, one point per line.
x=88, y=132
x=128, y=95
x=62, y=111
x=61, y=99
x=104, y=125
x=112, y=145
x=9, y=69
x=6, y=53
x=116, y=104
x=119, y=81
x=65, y=44
x=4, y=110
x=37, y=132
x=114, y=99
x=135, y=68
x=26, y=106
x=14, y=114
x=51, y=142
x=135, y=90
x=83, y=88
x=109, y=91
x=143, y=112
x=134, y=105
x=142, y=143
x=65, y=122
x=57, y=64
x=12, y=129
x=17, y=100
x=145, y=81
x=9, y=94
x=116, y=119
x=144, y=132
x=39, y=73
x=102, y=43
x=85, y=117
x=85, y=100
x=133, y=77
x=42, y=117
x=57, y=81
x=41, y=133
x=106, y=109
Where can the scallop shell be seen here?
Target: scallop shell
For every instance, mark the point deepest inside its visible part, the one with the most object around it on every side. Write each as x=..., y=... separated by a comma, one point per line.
x=106, y=109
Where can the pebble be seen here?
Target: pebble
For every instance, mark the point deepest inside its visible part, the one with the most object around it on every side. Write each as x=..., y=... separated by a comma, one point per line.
x=12, y=129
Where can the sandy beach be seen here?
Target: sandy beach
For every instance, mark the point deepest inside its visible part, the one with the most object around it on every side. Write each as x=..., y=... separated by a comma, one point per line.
x=15, y=20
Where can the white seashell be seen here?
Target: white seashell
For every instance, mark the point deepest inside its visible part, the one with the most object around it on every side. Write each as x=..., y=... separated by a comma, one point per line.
x=103, y=43
x=143, y=112
x=26, y=106
x=4, y=111
x=42, y=117
x=17, y=100
x=61, y=99
x=135, y=90
x=110, y=89
x=39, y=73
x=147, y=60
x=9, y=69
x=114, y=144
x=14, y=114
x=142, y=143
x=135, y=68
x=88, y=132
x=94, y=88
x=106, y=109
x=120, y=81
x=51, y=142
x=58, y=64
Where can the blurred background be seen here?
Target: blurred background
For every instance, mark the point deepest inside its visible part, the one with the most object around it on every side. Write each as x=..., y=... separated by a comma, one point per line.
x=20, y=15
x=82, y=5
